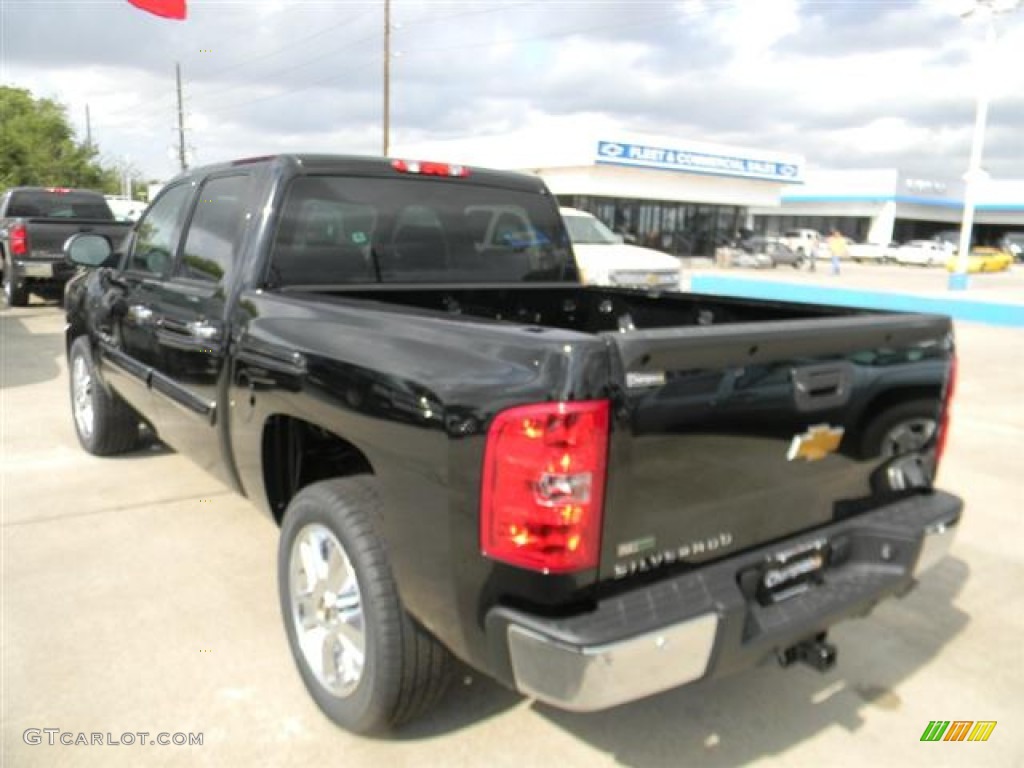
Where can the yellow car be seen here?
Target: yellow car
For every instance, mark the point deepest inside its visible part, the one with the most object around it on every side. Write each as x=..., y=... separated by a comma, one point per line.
x=983, y=259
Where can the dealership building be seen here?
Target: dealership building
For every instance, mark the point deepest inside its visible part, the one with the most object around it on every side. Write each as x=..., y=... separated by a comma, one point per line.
x=687, y=197
x=882, y=206
x=684, y=197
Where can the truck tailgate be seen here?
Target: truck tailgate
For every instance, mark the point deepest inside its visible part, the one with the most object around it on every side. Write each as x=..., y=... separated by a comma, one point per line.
x=734, y=436
x=46, y=236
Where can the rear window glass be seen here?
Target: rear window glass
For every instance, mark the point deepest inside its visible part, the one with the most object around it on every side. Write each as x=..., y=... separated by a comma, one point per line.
x=337, y=230
x=44, y=204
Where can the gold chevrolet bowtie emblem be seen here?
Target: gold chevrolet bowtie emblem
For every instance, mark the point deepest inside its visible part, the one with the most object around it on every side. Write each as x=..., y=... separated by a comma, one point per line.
x=652, y=279
x=816, y=443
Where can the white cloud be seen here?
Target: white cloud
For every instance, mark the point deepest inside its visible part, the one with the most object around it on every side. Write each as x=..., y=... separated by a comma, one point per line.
x=844, y=83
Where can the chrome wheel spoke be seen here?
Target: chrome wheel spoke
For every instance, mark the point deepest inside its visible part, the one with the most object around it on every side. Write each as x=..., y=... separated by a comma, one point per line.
x=350, y=629
x=311, y=645
x=310, y=564
x=339, y=572
x=350, y=662
x=329, y=657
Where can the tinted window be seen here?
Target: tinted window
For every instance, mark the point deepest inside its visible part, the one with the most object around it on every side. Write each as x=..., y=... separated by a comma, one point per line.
x=157, y=232
x=57, y=204
x=213, y=233
x=336, y=230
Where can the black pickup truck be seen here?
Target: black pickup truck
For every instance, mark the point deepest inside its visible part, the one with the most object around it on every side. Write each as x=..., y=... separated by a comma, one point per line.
x=34, y=223
x=591, y=494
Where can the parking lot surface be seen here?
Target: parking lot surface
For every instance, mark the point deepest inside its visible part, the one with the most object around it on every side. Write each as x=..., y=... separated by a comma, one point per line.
x=139, y=596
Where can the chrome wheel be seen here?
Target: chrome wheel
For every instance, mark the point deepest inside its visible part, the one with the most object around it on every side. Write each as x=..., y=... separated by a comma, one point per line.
x=907, y=436
x=81, y=401
x=327, y=610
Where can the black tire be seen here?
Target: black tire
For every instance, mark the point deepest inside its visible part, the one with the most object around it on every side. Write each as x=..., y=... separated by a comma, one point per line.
x=916, y=419
x=114, y=425
x=405, y=670
x=15, y=293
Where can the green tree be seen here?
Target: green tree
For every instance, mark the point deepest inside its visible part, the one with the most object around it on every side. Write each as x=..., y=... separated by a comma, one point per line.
x=38, y=147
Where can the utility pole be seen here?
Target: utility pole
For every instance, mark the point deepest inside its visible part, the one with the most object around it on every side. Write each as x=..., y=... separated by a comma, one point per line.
x=181, y=120
x=387, y=75
x=88, y=128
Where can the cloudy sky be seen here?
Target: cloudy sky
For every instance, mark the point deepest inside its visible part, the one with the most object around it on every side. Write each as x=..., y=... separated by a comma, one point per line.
x=846, y=83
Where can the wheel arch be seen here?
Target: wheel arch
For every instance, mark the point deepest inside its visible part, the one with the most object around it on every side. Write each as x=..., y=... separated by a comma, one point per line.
x=891, y=398
x=296, y=453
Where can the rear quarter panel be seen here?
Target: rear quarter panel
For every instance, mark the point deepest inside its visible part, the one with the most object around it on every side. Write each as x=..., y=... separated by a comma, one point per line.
x=414, y=392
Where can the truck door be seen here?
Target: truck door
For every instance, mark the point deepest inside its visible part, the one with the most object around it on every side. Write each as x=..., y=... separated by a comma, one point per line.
x=129, y=348
x=191, y=330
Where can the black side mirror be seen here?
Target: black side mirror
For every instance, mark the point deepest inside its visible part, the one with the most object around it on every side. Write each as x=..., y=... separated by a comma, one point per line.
x=88, y=250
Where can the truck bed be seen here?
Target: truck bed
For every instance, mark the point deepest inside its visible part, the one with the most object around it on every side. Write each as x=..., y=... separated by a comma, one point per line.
x=715, y=400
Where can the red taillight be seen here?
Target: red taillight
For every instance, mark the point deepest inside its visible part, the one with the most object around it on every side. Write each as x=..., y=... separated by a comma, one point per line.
x=58, y=190
x=19, y=240
x=429, y=169
x=543, y=488
x=947, y=406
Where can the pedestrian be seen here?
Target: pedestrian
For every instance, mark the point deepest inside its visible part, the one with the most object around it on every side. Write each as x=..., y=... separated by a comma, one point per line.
x=837, y=247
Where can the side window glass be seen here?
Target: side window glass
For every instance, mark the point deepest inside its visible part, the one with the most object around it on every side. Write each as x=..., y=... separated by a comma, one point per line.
x=216, y=227
x=155, y=237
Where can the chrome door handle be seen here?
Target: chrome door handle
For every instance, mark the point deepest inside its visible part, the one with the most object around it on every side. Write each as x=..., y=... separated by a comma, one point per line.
x=140, y=313
x=203, y=330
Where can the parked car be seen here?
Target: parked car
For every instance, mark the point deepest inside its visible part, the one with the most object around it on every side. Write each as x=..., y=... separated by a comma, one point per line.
x=1013, y=243
x=775, y=250
x=745, y=259
x=34, y=223
x=982, y=259
x=876, y=252
x=589, y=493
x=924, y=253
x=950, y=239
x=604, y=259
x=803, y=242
x=124, y=208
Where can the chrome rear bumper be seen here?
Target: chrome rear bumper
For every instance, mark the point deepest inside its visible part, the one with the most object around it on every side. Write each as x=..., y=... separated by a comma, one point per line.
x=586, y=678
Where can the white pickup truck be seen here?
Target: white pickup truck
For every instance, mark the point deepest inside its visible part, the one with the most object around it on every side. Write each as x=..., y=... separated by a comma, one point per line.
x=803, y=242
x=878, y=252
x=604, y=259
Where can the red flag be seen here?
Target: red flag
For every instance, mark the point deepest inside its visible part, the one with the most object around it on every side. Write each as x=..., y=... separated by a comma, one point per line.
x=169, y=9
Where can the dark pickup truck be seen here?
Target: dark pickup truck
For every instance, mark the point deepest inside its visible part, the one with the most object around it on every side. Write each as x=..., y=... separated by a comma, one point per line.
x=591, y=494
x=34, y=223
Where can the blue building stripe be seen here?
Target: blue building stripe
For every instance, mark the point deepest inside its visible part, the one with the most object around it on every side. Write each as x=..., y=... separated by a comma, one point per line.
x=796, y=197
x=990, y=312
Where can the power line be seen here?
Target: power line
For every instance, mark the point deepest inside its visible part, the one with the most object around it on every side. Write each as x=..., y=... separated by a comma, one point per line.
x=281, y=49
x=167, y=104
x=552, y=36
x=477, y=12
x=293, y=67
x=287, y=92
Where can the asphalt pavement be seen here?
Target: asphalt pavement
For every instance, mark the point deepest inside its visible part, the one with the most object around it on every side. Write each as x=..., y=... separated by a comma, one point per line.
x=139, y=597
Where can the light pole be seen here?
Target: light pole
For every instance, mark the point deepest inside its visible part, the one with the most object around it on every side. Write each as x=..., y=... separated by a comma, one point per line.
x=387, y=79
x=975, y=174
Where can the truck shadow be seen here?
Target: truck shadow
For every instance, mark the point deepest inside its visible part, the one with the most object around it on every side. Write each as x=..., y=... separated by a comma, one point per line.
x=28, y=357
x=764, y=711
x=756, y=713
